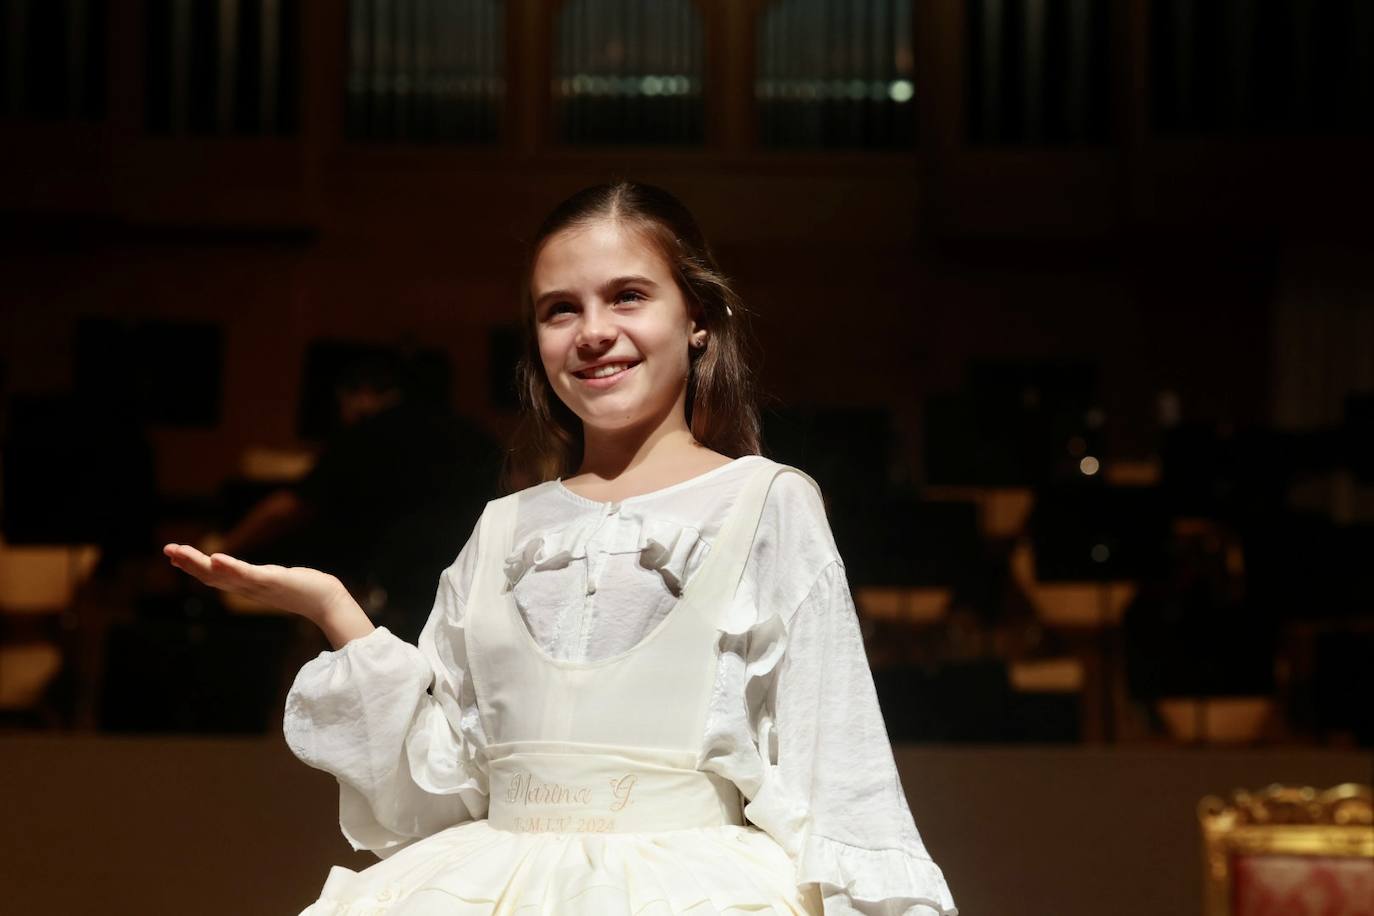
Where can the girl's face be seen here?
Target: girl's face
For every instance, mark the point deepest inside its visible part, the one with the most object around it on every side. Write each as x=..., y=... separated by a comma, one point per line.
x=606, y=302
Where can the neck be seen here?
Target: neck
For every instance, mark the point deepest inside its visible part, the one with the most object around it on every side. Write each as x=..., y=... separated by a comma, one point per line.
x=610, y=453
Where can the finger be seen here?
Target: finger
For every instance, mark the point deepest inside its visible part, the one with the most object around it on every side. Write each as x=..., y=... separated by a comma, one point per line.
x=172, y=551
x=192, y=557
x=176, y=553
x=218, y=570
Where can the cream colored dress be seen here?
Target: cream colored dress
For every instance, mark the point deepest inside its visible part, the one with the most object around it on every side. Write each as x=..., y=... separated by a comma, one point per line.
x=596, y=799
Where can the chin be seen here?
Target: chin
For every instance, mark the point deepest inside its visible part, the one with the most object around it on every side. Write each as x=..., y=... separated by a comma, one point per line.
x=614, y=423
x=614, y=411
x=611, y=418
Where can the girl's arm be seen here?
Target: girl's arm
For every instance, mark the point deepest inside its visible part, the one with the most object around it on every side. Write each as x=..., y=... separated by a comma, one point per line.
x=345, y=622
x=828, y=789
x=389, y=720
x=395, y=723
x=861, y=845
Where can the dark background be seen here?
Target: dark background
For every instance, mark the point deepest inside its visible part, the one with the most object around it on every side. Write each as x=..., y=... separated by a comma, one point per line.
x=1065, y=303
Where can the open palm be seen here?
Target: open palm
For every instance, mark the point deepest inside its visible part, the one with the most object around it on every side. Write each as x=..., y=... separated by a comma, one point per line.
x=297, y=589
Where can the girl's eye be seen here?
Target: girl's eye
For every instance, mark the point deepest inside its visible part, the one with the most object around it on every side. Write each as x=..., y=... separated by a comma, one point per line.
x=556, y=308
x=630, y=292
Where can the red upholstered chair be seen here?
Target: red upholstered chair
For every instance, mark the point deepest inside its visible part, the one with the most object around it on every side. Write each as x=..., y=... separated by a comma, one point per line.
x=1289, y=851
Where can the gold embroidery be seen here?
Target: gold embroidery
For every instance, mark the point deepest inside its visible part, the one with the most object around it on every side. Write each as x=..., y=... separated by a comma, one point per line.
x=524, y=789
x=621, y=789
x=566, y=824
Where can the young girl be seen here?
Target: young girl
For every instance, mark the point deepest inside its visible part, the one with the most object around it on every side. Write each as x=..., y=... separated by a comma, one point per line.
x=642, y=688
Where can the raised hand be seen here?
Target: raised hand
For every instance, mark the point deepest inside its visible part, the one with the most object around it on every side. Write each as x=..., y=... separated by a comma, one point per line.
x=298, y=589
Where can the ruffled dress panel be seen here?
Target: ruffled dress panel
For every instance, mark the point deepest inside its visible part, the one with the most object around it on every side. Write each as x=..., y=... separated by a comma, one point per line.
x=473, y=869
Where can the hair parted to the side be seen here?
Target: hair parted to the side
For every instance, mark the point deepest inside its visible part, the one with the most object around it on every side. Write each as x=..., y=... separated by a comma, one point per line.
x=721, y=410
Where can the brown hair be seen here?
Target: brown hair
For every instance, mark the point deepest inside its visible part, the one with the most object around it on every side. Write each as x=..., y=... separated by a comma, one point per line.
x=721, y=411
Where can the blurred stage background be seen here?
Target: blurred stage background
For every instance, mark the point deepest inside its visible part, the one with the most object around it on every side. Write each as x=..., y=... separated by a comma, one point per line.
x=1067, y=304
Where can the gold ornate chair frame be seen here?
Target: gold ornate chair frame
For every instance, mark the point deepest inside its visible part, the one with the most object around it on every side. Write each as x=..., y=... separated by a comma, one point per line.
x=1280, y=820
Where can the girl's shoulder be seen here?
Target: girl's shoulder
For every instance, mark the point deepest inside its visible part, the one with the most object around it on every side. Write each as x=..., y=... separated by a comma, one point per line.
x=793, y=546
x=795, y=513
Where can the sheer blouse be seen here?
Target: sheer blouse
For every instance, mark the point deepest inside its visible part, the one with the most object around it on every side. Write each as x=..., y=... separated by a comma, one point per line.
x=793, y=705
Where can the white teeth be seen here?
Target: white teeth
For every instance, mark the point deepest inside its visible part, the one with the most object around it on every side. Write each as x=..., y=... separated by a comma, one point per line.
x=603, y=371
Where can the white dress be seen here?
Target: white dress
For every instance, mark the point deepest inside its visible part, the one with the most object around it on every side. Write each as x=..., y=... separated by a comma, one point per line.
x=563, y=741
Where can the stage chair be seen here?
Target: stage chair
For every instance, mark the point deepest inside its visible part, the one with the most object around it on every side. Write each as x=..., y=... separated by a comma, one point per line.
x=1216, y=720
x=908, y=605
x=1070, y=605
x=37, y=587
x=1288, y=849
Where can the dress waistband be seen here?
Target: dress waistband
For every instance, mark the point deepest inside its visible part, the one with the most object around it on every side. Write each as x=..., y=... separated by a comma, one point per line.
x=554, y=787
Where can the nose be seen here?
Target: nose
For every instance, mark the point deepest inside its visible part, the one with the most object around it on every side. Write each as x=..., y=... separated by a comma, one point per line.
x=597, y=328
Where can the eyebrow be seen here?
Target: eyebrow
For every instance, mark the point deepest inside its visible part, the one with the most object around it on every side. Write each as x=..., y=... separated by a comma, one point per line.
x=606, y=287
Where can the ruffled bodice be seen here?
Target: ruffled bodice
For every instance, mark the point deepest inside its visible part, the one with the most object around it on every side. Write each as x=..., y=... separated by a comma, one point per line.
x=669, y=548
x=790, y=708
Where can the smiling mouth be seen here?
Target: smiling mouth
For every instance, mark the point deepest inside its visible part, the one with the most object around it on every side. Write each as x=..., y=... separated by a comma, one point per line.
x=607, y=371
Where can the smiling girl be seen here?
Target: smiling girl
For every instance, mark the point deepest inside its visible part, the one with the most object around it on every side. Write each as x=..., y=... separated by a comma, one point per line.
x=642, y=688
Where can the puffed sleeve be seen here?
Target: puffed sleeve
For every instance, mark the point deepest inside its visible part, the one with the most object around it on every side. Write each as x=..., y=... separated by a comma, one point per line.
x=859, y=843
x=397, y=725
x=812, y=755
